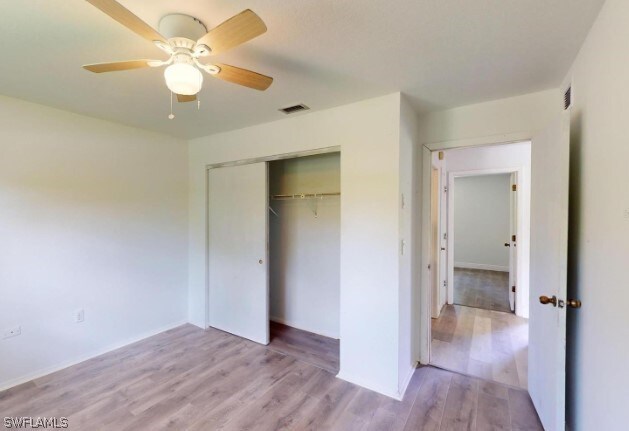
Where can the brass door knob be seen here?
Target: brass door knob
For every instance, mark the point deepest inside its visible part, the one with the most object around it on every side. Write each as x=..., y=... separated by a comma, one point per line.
x=546, y=300
x=574, y=303
x=507, y=244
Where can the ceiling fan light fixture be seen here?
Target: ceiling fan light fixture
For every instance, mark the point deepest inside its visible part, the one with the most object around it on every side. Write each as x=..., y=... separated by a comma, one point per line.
x=183, y=78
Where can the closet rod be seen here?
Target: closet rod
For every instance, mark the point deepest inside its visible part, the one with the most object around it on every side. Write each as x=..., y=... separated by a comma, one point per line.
x=305, y=196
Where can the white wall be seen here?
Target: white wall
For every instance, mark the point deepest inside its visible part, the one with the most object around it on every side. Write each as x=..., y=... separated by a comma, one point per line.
x=491, y=121
x=305, y=248
x=482, y=221
x=93, y=215
x=599, y=227
x=368, y=134
x=410, y=252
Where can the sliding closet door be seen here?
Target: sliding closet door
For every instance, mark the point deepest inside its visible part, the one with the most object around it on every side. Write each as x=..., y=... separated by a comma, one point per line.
x=238, y=256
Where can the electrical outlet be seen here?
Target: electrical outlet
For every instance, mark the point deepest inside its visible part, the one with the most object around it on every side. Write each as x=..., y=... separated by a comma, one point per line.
x=79, y=316
x=12, y=332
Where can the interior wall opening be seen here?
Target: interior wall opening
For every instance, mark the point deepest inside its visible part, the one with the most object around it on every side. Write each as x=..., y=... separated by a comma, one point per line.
x=482, y=242
x=479, y=204
x=304, y=258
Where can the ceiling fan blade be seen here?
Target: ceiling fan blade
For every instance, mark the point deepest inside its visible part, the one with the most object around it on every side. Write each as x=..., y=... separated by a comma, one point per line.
x=244, y=77
x=128, y=19
x=117, y=66
x=233, y=32
x=182, y=98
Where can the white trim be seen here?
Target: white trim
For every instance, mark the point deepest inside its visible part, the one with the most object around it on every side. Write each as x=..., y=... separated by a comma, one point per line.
x=293, y=325
x=425, y=286
x=283, y=156
x=486, y=267
x=503, y=139
x=65, y=364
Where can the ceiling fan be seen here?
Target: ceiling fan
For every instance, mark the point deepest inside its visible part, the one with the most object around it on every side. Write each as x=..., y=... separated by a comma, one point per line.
x=186, y=40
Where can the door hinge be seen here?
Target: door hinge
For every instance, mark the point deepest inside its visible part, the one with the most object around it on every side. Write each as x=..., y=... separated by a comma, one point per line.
x=445, y=283
x=513, y=289
x=514, y=188
x=445, y=235
x=445, y=189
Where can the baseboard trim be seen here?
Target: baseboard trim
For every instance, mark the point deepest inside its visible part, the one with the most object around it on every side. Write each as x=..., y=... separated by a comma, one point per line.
x=469, y=265
x=293, y=325
x=65, y=364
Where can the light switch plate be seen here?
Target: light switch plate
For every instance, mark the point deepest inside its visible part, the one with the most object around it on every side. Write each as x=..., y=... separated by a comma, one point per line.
x=79, y=316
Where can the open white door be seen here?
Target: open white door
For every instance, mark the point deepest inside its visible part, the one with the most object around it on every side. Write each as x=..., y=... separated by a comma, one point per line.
x=238, y=252
x=513, y=230
x=548, y=268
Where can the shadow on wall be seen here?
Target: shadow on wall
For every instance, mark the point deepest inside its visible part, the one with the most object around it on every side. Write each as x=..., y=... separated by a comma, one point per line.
x=574, y=245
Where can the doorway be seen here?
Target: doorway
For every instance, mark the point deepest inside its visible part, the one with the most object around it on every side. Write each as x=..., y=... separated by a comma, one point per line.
x=475, y=230
x=482, y=241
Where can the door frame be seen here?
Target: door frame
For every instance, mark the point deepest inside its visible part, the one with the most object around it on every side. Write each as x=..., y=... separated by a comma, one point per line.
x=423, y=318
x=283, y=156
x=522, y=289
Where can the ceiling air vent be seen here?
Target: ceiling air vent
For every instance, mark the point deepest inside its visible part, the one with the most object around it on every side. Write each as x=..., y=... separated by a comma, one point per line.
x=294, y=109
x=567, y=98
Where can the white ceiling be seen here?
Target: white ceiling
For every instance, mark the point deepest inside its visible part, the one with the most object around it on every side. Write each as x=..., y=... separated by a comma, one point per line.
x=324, y=53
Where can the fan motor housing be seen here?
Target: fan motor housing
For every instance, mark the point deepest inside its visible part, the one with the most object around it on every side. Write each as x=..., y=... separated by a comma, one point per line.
x=177, y=26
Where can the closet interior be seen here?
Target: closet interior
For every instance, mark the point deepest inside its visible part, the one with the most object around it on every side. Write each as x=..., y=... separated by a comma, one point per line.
x=304, y=258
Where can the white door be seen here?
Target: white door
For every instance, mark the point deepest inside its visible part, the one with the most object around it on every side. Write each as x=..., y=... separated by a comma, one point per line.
x=548, y=268
x=513, y=230
x=238, y=256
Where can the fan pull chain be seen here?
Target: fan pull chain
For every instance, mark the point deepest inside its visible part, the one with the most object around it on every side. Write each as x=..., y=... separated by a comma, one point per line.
x=199, y=100
x=171, y=116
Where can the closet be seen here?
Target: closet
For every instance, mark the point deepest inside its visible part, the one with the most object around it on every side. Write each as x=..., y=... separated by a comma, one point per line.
x=274, y=254
x=304, y=256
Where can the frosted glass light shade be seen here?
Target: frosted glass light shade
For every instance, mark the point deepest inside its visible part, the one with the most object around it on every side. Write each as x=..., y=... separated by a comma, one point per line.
x=183, y=78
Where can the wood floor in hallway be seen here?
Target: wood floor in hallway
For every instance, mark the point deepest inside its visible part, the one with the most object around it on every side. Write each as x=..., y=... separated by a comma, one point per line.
x=482, y=289
x=191, y=379
x=488, y=344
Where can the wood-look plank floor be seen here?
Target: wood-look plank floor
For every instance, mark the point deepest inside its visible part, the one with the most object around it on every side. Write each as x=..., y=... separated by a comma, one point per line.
x=190, y=379
x=482, y=289
x=488, y=344
x=315, y=349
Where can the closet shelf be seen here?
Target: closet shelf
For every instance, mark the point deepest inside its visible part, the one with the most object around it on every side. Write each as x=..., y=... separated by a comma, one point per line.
x=305, y=196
